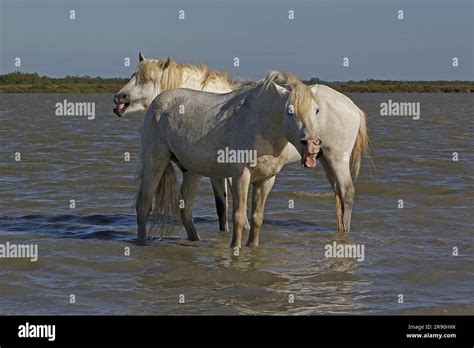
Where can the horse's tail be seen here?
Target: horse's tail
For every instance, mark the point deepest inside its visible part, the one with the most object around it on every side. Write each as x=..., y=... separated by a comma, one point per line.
x=165, y=211
x=361, y=146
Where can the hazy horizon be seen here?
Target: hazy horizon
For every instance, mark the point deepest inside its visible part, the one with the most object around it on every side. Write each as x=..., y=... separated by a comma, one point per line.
x=339, y=81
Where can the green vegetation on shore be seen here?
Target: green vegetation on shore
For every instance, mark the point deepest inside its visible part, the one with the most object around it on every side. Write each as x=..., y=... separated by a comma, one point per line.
x=391, y=86
x=18, y=82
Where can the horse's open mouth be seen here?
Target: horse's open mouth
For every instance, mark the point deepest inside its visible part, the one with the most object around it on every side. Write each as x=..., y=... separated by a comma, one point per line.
x=120, y=108
x=308, y=160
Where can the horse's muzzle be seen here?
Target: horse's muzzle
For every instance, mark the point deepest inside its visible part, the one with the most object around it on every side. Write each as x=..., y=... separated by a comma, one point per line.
x=122, y=102
x=311, y=148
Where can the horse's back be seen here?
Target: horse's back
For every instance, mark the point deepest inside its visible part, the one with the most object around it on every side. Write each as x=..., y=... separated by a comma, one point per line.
x=183, y=107
x=186, y=96
x=336, y=98
x=189, y=116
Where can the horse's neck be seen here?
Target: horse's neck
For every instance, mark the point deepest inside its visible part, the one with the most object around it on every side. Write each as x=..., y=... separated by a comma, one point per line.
x=267, y=119
x=194, y=80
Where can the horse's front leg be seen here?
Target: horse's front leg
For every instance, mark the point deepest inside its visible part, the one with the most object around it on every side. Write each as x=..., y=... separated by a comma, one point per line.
x=220, y=196
x=229, y=189
x=239, y=196
x=259, y=198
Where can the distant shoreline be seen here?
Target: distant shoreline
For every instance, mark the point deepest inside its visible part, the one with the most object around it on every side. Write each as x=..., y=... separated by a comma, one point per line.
x=18, y=82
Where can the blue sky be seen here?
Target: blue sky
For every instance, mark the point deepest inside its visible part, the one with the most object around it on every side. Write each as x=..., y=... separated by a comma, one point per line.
x=378, y=45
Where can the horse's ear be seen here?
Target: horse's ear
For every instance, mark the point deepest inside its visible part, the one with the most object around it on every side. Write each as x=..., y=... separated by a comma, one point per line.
x=141, y=58
x=166, y=64
x=280, y=89
x=314, y=89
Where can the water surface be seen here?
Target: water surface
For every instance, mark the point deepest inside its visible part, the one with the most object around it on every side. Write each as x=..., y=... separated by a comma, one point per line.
x=81, y=251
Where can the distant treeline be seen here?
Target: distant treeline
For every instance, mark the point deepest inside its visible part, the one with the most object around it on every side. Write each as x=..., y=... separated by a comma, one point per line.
x=18, y=82
x=390, y=86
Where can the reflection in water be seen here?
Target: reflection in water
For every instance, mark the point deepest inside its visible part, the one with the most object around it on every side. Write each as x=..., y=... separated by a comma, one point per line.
x=84, y=250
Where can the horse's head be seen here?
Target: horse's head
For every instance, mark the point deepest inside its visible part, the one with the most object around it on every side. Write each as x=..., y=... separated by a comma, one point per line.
x=143, y=86
x=301, y=110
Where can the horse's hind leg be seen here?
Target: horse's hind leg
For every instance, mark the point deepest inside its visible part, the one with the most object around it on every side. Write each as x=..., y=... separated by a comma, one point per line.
x=339, y=175
x=189, y=189
x=220, y=195
x=345, y=190
x=152, y=171
x=332, y=180
x=259, y=198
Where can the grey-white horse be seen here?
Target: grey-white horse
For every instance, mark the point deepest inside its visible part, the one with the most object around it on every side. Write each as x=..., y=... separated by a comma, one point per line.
x=343, y=124
x=154, y=76
x=191, y=128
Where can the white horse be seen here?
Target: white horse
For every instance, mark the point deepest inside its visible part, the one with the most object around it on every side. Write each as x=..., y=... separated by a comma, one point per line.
x=190, y=128
x=154, y=76
x=343, y=125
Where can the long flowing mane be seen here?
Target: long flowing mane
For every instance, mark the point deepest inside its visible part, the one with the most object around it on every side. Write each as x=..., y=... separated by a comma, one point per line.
x=170, y=75
x=301, y=96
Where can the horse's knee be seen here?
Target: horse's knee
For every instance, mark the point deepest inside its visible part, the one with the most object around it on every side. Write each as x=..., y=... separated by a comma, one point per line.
x=240, y=218
x=257, y=219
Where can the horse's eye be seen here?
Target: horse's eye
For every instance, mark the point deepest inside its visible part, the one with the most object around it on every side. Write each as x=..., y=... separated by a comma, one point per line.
x=317, y=111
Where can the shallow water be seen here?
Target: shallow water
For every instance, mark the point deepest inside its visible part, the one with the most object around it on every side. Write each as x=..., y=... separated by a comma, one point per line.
x=408, y=251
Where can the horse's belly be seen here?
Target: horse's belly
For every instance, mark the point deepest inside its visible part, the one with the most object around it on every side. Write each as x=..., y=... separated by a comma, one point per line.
x=267, y=166
x=216, y=154
x=219, y=164
x=204, y=165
